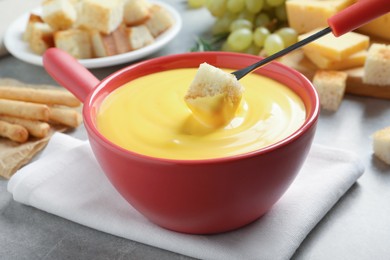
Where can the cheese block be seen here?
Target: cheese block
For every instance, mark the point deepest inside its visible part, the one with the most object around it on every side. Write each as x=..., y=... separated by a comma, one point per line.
x=379, y=27
x=353, y=61
x=306, y=15
x=337, y=48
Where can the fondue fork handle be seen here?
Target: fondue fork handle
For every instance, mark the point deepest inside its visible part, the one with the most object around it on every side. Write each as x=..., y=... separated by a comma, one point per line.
x=69, y=73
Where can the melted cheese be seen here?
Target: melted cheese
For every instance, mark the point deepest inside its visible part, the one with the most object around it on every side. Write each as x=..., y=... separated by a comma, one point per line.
x=149, y=116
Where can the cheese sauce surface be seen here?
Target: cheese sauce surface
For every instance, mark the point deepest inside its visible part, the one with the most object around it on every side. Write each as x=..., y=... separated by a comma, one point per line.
x=149, y=116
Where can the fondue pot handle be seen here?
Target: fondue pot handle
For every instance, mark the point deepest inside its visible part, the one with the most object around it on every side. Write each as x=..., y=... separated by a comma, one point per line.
x=69, y=73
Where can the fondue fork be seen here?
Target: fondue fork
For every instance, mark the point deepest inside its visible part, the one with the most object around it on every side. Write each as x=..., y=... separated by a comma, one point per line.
x=345, y=21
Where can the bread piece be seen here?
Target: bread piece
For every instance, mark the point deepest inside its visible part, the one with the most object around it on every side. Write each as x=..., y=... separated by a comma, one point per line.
x=59, y=14
x=330, y=86
x=76, y=42
x=41, y=38
x=213, y=96
x=121, y=39
x=33, y=18
x=159, y=21
x=104, y=16
x=103, y=44
x=139, y=36
x=381, y=144
x=377, y=65
x=136, y=12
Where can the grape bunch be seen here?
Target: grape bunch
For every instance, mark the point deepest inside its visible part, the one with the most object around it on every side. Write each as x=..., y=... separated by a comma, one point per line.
x=250, y=26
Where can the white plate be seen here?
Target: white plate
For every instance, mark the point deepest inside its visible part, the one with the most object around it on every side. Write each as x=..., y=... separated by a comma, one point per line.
x=17, y=47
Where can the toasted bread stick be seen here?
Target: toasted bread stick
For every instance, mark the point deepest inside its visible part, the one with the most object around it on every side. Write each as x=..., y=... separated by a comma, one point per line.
x=13, y=132
x=35, y=128
x=24, y=110
x=65, y=116
x=44, y=96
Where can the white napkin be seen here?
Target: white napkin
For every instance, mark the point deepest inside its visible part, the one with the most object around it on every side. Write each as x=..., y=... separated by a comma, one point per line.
x=10, y=10
x=67, y=181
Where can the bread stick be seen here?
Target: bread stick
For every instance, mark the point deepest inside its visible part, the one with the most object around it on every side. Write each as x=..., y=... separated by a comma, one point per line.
x=13, y=132
x=65, y=116
x=24, y=110
x=44, y=96
x=35, y=128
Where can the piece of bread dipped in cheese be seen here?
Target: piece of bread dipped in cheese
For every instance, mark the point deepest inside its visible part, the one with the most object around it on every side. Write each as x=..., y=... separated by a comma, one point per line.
x=213, y=96
x=381, y=144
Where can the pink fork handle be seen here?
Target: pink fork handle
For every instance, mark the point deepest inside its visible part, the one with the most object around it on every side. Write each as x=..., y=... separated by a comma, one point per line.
x=357, y=15
x=69, y=73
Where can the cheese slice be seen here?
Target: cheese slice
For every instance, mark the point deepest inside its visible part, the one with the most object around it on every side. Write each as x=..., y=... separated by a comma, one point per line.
x=337, y=48
x=353, y=61
x=379, y=27
x=306, y=15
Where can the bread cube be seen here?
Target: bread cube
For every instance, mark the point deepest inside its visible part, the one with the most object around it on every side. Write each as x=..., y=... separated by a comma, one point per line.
x=41, y=37
x=330, y=86
x=213, y=96
x=139, y=36
x=33, y=18
x=121, y=39
x=159, y=21
x=76, y=42
x=101, y=15
x=59, y=14
x=377, y=65
x=136, y=12
x=381, y=144
x=103, y=44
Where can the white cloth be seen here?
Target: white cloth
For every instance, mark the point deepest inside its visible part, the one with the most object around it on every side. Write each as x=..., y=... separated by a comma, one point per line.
x=67, y=181
x=10, y=10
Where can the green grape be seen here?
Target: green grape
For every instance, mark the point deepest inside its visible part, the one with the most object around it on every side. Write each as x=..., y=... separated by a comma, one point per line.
x=254, y=6
x=273, y=43
x=226, y=47
x=252, y=49
x=262, y=20
x=247, y=15
x=275, y=3
x=240, y=39
x=235, y=6
x=196, y=3
x=280, y=13
x=216, y=7
x=288, y=35
x=222, y=24
x=259, y=36
x=240, y=23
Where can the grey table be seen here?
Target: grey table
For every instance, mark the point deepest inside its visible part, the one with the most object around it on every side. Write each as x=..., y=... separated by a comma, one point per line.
x=357, y=227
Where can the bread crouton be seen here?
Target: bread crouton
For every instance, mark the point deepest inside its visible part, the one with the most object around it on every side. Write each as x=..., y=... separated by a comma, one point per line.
x=121, y=39
x=103, y=44
x=213, y=96
x=330, y=86
x=159, y=21
x=139, y=36
x=101, y=15
x=377, y=65
x=41, y=37
x=33, y=18
x=59, y=14
x=381, y=144
x=76, y=42
x=136, y=12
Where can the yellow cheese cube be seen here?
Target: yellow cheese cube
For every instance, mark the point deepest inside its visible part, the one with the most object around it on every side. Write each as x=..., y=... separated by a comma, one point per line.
x=355, y=60
x=379, y=27
x=337, y=48
x=306, y=15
